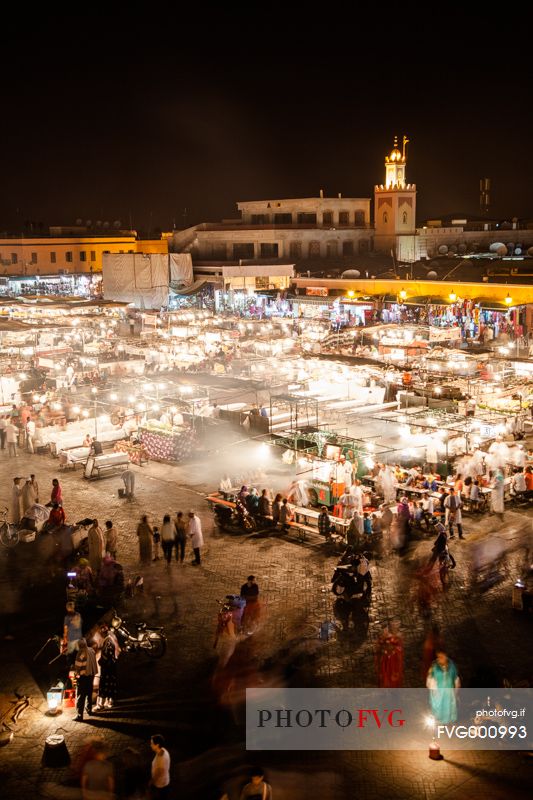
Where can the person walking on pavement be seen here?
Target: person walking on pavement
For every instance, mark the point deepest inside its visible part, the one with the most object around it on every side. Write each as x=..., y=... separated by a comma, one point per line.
x=181, y=536
x=452, y=505
x=3, y=426
x=97, y=777
x=168, y=538
x=30, y=434
x=86, y=668
x=145, y=534
x=250, y=593
x=35, y=486
x=12, y=433
x=57, y=493
x=96, y=546
x=160, y=772
x=16, y=501
x=111, y=537
x=195, y=533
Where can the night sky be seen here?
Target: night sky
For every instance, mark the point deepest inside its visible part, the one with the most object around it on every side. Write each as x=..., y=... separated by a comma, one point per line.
x=142, y=114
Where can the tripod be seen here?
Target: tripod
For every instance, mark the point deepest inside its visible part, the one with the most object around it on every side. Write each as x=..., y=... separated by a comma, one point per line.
x=56, y=641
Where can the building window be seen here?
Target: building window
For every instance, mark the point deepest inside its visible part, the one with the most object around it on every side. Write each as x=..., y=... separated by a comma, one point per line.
x=363, y=246
x=131, y=252
x=327, y=218
x=385, y=217
x=14, y=258
x=282, y=219
x=331, y=249
x=306, y=219
x=269, y=250
x=68, y=256
x=295, y=250
x=261, y=282
x=34, y=258
x=344, y=218
x=53, y=258
x=404, y=217
x=314, y=249
x=360, y=218
x=83, y=255
x=347, y=248
x=245, y=250
x=260, y=219
x=93, y=255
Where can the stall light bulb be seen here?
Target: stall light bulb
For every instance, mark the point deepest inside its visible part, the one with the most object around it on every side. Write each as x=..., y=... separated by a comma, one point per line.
x=155, y=406
x=162, y=386
x=264, y=451
x=173, y=409
x=104, y=418
x=141, y=406
x=147, y=387
x=113, y=396
x=75, y=409
x=131, y=398
x=85, y=413
x=94, y=390
x=35, y=398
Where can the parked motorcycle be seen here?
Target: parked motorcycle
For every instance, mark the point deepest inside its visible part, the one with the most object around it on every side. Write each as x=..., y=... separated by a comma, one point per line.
x=352, y=578
x=151, y=641
x=237, y=520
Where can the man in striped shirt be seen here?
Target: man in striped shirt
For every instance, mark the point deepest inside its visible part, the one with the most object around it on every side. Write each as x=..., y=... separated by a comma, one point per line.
x=86, y=669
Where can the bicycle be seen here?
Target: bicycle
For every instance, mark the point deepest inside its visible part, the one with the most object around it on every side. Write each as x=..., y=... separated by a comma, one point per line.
x=9, y=535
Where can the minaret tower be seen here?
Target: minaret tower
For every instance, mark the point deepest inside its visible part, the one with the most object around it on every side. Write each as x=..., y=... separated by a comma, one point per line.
x=395, y=207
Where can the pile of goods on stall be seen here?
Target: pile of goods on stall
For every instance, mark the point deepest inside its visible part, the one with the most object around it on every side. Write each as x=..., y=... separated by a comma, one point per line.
x=165, y=443
x=136, y=452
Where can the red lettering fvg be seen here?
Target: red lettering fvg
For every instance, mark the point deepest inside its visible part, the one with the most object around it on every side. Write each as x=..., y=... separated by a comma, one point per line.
x=379, y=718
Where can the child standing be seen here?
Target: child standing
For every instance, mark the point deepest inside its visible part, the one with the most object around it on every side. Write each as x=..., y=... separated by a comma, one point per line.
x=157, y=538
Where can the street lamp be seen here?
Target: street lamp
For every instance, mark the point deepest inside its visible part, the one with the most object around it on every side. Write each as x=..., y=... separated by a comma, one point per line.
x=508, y=300
x=453, y=296
x=402, y=294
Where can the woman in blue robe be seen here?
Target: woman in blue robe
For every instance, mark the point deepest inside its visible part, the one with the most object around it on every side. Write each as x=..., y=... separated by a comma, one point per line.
x=443, y=682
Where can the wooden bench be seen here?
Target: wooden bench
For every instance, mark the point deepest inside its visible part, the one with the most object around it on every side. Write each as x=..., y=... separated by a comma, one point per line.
x=302, y=532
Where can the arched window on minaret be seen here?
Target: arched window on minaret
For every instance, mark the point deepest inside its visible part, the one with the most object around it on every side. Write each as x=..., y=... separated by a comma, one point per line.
x=404, y=217
x=385, y=217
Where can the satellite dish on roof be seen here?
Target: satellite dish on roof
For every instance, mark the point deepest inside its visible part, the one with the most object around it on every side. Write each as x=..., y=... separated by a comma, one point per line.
x=79, y=221
x=351, y=273
x=116, y=224
x=432, y=275
x=530, y=251
x=98, y=223
x=452, y=249
x=518, y=251
x=462, y=248
x=443, y=249
x=499, y=248
x=106, y=225
x=89, y=223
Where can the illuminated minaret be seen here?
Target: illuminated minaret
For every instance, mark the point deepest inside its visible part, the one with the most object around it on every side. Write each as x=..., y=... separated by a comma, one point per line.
x=395, y=207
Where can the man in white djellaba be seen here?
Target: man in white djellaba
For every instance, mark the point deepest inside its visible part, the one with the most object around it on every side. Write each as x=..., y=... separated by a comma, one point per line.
x=389, y=483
